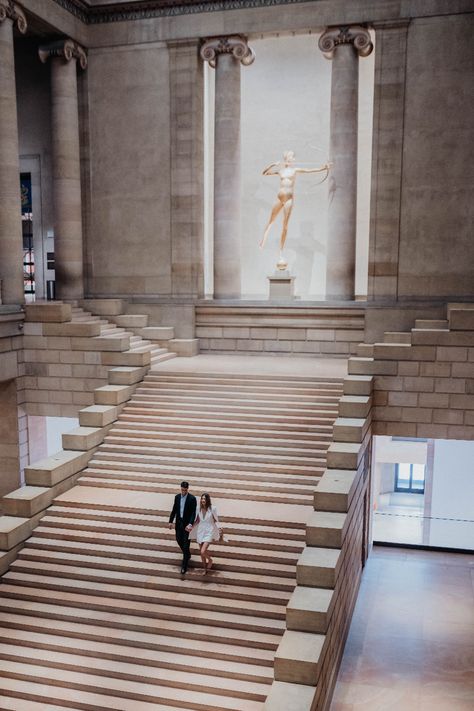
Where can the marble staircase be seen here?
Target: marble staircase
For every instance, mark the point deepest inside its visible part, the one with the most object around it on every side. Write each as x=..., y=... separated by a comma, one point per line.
x=95, y=614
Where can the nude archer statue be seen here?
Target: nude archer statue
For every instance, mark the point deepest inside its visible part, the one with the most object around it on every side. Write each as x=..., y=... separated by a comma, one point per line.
x=287, y=171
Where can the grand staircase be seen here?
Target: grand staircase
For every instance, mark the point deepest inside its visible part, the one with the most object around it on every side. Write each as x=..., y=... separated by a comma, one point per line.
x=94, y=612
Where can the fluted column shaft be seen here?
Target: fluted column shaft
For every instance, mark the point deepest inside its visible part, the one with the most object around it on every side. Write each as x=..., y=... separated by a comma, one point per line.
x=226, y=55
x=68, y=249
x=343, y=46
x=11, y=239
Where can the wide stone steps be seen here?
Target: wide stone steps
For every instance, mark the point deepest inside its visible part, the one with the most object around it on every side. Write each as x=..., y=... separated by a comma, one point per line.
x=253, y=569
x=184, y=607
x=208, y=423
x=212, y=460
x=147, y=547
x=202, y=477
x=246, y=439
x=119, y=679
x=131, y=442
x=96, y=614
x=183, y=660
x=71, y=630
x=262, y=416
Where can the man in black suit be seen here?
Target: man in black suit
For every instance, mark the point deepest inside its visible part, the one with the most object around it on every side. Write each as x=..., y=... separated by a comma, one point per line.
x=184, y=510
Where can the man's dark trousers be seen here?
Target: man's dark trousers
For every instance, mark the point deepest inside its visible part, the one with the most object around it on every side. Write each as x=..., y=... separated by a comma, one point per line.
x=189, y=514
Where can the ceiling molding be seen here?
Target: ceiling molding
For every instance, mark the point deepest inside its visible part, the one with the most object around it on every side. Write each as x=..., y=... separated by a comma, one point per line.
x=122, y=11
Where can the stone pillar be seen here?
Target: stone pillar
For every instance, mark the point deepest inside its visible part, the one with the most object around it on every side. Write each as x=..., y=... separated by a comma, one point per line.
x=344, y=45
x=187, y=177
x=11, y=240
x=66, y=166
x=226, y=54
x=387, y=149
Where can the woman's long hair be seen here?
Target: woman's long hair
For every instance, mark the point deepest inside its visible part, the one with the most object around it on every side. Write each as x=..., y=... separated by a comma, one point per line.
x=208, y=501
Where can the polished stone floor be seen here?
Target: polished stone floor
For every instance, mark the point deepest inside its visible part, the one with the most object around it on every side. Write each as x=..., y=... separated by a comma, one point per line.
x=411, y=642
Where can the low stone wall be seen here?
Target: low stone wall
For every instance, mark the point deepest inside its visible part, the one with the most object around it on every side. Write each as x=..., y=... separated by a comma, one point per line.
x=287, y=330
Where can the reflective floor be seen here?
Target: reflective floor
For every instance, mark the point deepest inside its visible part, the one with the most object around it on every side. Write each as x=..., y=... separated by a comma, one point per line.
x=411, y=642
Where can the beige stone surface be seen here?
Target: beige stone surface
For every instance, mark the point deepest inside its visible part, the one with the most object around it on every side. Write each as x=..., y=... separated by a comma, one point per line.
x=53, y=469
x=97, y=415
x=318, y=567
x=27, y=501
x=284, y=696
x=326, y=529
x=48, y=312
x=112, y=394
x=297, y=657
x=308, y=609
x=13, y=530
x=83, y=438
x=334, y=490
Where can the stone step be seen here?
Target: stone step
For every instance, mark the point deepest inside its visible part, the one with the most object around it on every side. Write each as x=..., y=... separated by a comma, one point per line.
x=238, y=487
x=131, y=321
x=260, y=534
x=263, y=402
x=109, y=480
x=280, y=427
x=183, y=607
x=247, y=438
x=222, y=461
x=153, y=641
x=183, y=660
x=255, y=414
x=161, y=357
x=242, y=390
x=237, y=555
x=71, y=608
x=260, y=379
x=431, y=323
x=164, y=577
x=117, y=441
x=261, y=445
x=203, y=476
x=119, y=679
x=157, y=333
x=397, y=337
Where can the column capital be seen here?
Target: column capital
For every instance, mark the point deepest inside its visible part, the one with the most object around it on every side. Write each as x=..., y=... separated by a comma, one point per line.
x=12, y=11
x=65, y=48
x=235, y=45
x=355, y=35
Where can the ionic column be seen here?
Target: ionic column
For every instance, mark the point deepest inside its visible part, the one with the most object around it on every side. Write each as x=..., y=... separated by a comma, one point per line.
x=344, y=45
x=66, y=166
x=11, y=239
x=226, y=54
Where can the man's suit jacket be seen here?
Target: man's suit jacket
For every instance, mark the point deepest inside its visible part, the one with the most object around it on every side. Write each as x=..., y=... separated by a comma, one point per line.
x=189, y=513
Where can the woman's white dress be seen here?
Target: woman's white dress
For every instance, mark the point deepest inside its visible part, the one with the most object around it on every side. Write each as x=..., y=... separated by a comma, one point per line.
x=206, y=527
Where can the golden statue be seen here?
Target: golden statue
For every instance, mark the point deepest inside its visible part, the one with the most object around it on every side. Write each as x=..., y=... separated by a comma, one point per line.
x=287, y=171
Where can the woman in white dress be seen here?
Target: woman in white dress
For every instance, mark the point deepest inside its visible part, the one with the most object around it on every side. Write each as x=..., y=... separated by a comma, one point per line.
x=207, y=529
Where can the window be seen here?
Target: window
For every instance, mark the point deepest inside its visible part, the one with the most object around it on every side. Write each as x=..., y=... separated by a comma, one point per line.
x=410, y=478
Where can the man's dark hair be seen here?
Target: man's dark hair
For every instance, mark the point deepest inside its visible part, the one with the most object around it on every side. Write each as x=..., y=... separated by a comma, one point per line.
x=184, y=485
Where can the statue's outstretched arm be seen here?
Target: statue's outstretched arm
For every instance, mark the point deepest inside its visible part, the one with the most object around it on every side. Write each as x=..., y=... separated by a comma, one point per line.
x=268, y=171
x=325, y=167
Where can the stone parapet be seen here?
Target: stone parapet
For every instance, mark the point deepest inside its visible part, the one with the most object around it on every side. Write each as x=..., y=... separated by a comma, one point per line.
x=261, y=330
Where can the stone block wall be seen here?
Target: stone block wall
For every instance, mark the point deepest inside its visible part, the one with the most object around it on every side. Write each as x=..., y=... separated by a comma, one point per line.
x=265, y=330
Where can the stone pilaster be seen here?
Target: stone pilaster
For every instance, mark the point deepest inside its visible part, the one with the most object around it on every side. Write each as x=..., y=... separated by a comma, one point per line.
x=387, y=150
x=11, y=240
x=66, y=166
x=226, y=54
x=344, y=46
x=187, y=157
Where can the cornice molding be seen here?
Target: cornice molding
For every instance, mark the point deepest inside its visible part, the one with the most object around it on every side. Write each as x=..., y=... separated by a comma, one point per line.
x=148, y=9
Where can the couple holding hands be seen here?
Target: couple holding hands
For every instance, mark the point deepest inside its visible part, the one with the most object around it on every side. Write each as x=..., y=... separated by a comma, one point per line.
x=204, y=522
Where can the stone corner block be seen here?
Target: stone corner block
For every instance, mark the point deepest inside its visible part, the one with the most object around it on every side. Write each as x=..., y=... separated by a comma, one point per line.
x=309, y=609
x=103, y=307
x=335, y=489
x=97, y=415
x=318, y=567
x=83, y=438
x=53, y=311
x=326, y=529
x=297, y=659
x=284, y=696
x=26, y=501
x=51, y=470
x=186, y=347
x=13, y=530
x=112, y=394
x=126, y=375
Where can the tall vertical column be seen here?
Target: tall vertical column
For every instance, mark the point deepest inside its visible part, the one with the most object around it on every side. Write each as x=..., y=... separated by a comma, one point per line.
x=66, y=166
x=11, y=240
x=226, y=54
x=343, y=45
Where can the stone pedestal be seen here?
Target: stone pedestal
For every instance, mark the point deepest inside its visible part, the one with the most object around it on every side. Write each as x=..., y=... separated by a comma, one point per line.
x=343, y=45
x=66, y=166
x=11, y=246
x=281, y=286
x=226, y=54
